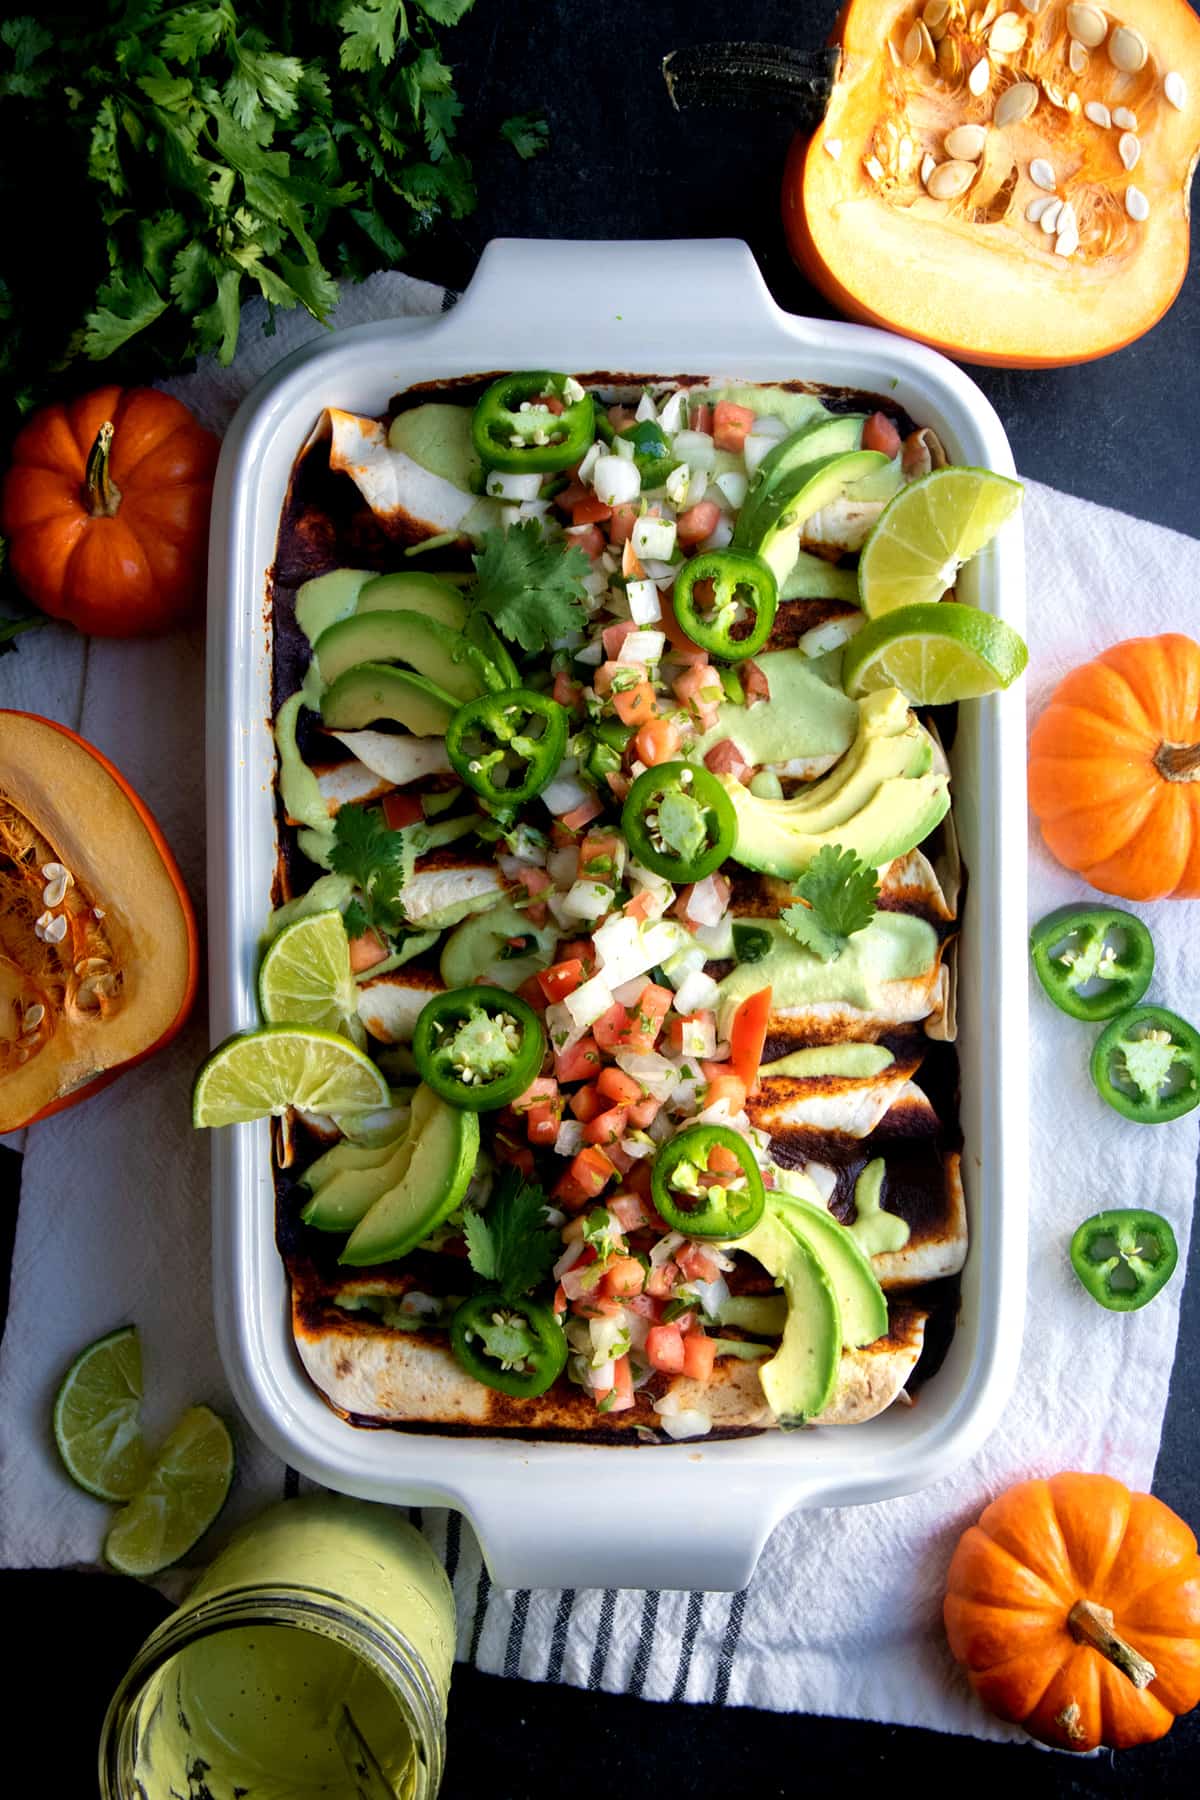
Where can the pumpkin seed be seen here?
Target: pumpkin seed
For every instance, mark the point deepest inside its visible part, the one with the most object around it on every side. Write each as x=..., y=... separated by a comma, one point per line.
x=874, y=168
x=1124, y=119
x=1098, y=113
x=918, y=44
x=56, y=930
x=33, y=1016
x=1037, y=206
x=1049, y=219
x=949, y=59
x=54, y=892
x=1042, y=175
x=928, y=165
x=1137, y=205
x=1129, y=148
x=833, y=147
x=950, y=179
x=1127, y=50
x=965, y=143
x=1067, y=242
x=1032, y=6
x=1078, y=58
x=936, y=14
x=1067, y=220
x=1007, y=35
x=1175, y=88
x=978, y=79
x=1015, y=103
x=1087, y=25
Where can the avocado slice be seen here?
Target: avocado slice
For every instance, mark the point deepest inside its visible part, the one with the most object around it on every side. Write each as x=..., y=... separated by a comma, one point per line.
x=775, y=526
x=813, y=578
x=806, y=716
x=371, y=691
x=443, y=656
x=408, y=591
x=348, y=1189
x=863, y=1309
x=445, y=1149
x=821, y=437
x=800, y=1378
x=438, y=436
x=325, y=599
x=476, y=949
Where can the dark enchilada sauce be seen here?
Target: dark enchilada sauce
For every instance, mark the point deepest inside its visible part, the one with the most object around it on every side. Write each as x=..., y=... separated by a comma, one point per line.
x=326, y=525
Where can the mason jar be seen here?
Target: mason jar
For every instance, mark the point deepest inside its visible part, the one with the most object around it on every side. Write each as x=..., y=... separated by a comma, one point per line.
x=312, y=1658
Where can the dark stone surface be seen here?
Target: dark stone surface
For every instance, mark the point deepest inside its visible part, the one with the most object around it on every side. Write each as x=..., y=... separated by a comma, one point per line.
x=622, y=165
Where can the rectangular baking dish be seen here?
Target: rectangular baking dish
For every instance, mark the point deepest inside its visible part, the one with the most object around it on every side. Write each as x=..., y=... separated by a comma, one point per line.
x=555, y=1514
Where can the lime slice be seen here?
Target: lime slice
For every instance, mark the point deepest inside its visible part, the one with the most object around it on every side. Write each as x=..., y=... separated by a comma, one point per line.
x=262, y=1072
x=934, y=654
x=305, y=978
x=97, y=1417
x=925, y=534
x=180, y=1498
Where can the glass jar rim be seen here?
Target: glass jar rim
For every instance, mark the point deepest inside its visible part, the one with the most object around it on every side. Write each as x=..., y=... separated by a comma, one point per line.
x=296, y=1606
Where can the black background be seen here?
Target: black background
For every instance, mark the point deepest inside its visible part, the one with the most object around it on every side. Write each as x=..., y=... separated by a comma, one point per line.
x=1121, y=432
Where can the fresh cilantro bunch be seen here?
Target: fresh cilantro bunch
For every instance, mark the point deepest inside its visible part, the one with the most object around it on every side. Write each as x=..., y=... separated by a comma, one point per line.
x=380, y=863
x=838, y=894
x=161, y=164
x=510, y=1245
x=531, y=590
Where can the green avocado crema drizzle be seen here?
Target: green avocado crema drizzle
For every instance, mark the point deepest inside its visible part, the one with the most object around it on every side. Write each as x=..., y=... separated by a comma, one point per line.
x=851, y=1060
x=877, y=1231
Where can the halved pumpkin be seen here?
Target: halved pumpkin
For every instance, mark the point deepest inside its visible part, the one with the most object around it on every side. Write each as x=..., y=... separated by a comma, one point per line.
x=971, y=272
x=98, y=946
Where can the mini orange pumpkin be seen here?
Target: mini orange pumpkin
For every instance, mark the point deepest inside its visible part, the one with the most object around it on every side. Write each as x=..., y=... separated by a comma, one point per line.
x=1075, y=1607
x=1114, y=770
x=106, y=510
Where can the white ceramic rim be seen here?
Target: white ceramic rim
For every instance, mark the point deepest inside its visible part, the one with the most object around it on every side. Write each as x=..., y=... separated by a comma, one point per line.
x=559, y=1514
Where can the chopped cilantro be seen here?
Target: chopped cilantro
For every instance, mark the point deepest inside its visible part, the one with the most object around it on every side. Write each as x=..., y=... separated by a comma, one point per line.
x=379, y=862
x=529, y=589
x=510, y=1245
x=527, y=133
x=838, y=895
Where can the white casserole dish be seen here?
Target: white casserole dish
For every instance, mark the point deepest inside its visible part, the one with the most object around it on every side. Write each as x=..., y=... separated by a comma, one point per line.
x=558, y=1514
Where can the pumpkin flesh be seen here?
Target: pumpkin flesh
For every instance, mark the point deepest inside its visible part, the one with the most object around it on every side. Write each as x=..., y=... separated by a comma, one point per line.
x=973, y=275
x=121, y=980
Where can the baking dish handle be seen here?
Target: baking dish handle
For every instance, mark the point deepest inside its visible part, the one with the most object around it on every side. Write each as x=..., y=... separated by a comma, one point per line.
x=611, y=291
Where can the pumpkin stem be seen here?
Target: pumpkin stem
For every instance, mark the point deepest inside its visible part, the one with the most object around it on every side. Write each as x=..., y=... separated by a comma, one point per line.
x=103, y=494
x=1178, y=762
x=1092, y=1624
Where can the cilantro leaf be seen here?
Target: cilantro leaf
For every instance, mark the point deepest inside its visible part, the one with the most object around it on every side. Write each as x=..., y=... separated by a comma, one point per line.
x=527, y=133
x=839, y=895
x=128, y=304
x=510, y=1245
x=379, y=862
x=531, y=590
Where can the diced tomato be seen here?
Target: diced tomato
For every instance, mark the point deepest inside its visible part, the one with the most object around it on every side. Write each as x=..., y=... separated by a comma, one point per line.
x=515, y=1155
x=645, y=1112
x=621, y=524
x=586, y=1103
x=579, y=1062
x=622, y=1387
x=682, y=647
x=560, y=1299
x=699, y=1355
x=657, y=742
x=664, y=1349
x=685, y=1029
x=879, y=433
x=700, y=679
x=722, y=1161
x=631, y=562
x=662, y=1279
x=400, y=810
x=572, y=495
x=732, y=425
x=645, y=1305
x=366, y=950
x=561, y=979
x=543, y=1088
x=603, y=679
x=755, y=685
x=609, y=1029
x=623, y=1278
x=621, y=1160
x=590, y=511
x=619, y=786
x=580, y=948
x=542, y=1122
x=592, y=1170
x=634, y=705
x=619, y=1087
x=588, y=538
x=748, y=1034
x=551, y=402
x=695, y=1264
x=726, y=759
x=607, y=1127
x=621, y=416
x=599, y=854
x=644, y=1021
x=614, y=636
x=536, y=914
x=725, y=1086
x=530, y=991
x=583, y=814
x=641, y=907
x=533, y=879
x=568, y=693
x=700, y=418
x=628, y=1211
x=698, y=522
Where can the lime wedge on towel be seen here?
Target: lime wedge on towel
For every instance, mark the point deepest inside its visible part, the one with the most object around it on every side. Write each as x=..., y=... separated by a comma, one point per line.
x=262, y=1072
x=927, y=532
x=934, y=654
x=180, y=1498
x=305, y=978
x=97, y=1417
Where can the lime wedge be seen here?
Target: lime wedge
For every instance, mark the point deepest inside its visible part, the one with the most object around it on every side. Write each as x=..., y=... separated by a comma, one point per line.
x=305, y=978
x=934, y=654
x=97, y=1417
x=180, y=1498
x=262, y=1072
x=927, y=532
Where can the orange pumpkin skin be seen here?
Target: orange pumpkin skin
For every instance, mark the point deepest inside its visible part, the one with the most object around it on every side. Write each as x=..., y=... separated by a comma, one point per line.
x=118, y=551
x=993, y=291
x=1114, y=770
x=1040, y=1550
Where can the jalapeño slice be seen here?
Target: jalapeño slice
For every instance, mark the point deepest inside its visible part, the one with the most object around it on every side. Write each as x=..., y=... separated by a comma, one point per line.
x=1124, y=1257
x=652, y=456
x=1093, y=961
x=506, y=746
x=1146, y=1064
x=541, y=439
x=478, y=1047
x=705, y=1182
x=517, y=1347
x=679, y=821
x=725, y=600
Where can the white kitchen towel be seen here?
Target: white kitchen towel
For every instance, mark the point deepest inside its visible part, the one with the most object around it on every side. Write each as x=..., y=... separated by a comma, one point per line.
x=843, y=1615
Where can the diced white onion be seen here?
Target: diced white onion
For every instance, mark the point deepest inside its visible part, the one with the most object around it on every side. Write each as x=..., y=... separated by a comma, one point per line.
x=502, y=485
x=601, y=1380
x=510, y=515
x=654, y=537
x=573, y=1252
x=662, y=574
x=628, y=991
x=769, y=426
x=591, y=459
x=637, y=1147
x=564, y=794
x=572, y=391
x=569, y=1139
x=664, y=1250
x=697, y=993
x=684, y=963
x=616, y=479
x=606, y=1333
x=645, y=607
x=651, y=1070
x=680, y=1426
x=642, y=647
x=589, y=1001
x=831, y=635
x=755, y=450
x=720, y=536
x=591, y=654
x=678, y=482
x=673, y=410
x=712, y=1295
x=697, y=486
x=707, y=901
x=533, y=509
x=561, y=1029
x=695, y=447
x=823, y=1178
x=646, y=409
x=662, y=939
x=589, y=900
x=733, y=484
x=623, y=447
x=424, y=1306
x=645, y=877
x=562, y=866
